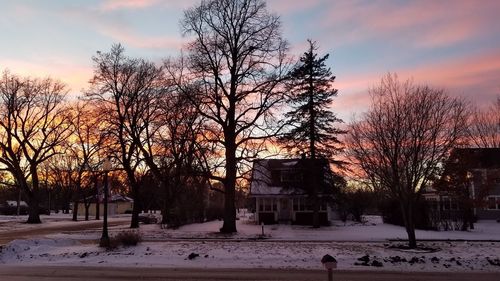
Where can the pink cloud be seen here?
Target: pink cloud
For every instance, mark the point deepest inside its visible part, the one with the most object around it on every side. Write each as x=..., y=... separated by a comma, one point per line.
x=291, y=6
x=474, y=78
x=130, y=38
x=421, y=23
x=110, y=5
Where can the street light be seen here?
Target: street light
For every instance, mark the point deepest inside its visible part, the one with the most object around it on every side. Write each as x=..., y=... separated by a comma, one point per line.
x=106, y=167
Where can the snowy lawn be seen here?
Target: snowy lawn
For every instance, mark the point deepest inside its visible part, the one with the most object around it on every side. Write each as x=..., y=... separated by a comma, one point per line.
x=453, y=256
x=356, y=246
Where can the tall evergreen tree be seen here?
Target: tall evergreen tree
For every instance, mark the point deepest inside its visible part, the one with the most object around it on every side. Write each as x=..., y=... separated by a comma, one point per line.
x=311, y=123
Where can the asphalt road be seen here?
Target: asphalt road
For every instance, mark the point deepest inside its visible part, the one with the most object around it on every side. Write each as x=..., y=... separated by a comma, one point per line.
x=60, y=273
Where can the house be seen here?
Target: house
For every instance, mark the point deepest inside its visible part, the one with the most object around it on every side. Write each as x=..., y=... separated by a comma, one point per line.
x=474, y=174
x=117, y=204
x=282, y=195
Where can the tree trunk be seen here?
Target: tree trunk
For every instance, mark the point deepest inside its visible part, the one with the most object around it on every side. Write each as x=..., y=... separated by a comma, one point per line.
x=75, y=210
x=97, y=197
x=87, y=207
x=407, y=210
x=34, y=216
x=136, y=209
x=97, y=209
x=18, y=208
x=229, y=225
x=313, y=172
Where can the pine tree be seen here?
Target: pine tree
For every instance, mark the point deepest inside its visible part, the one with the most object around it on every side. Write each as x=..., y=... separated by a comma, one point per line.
x=311, y=123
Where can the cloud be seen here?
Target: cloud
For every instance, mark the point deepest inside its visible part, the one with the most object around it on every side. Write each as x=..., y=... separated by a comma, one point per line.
x=423, y=24
x=75, y=76
x=474, y=77
x=111, y=5
x=292, y=6
x=130, y=38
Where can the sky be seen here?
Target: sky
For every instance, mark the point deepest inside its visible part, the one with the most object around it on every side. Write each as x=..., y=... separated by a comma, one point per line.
x=450, y=44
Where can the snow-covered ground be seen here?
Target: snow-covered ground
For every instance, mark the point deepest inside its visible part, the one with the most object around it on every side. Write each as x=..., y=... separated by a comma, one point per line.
x=283, y=246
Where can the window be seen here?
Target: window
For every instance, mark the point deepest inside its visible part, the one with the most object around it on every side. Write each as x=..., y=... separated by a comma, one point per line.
x=304, y=204
x=448, y=203
x=291, y=176
x=275, y=177
x=494, y=203
x=267, y=205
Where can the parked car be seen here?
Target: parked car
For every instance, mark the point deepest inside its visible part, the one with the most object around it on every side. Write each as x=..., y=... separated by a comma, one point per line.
x=148, y=218
x=10, y=208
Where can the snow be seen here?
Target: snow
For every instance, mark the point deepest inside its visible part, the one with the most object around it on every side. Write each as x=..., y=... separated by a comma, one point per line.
x=282, y=246
x=14, y=223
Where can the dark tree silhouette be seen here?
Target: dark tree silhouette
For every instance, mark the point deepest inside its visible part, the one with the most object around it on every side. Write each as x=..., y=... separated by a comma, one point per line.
x=401, y=142
x=311, y=123
x=484, y=130
x=33, y=125
x=236, y=59
x=85, y=153
x=123, y=89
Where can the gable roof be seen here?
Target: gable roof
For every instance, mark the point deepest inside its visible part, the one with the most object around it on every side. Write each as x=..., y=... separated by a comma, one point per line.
x=262, y=179
x=262, y=176
x=477, y=158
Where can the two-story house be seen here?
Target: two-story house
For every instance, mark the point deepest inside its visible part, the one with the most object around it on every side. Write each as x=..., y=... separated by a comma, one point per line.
x=472, y=173
x=282, y=192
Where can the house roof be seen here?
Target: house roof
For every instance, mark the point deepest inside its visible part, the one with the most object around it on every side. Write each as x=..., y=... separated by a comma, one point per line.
x=262, y=179
x=112, y=198
x=478, y=158
x=120, y=198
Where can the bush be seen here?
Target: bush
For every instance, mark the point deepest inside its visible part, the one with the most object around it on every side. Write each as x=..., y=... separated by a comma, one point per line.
x=127, y=238
x=392, y=214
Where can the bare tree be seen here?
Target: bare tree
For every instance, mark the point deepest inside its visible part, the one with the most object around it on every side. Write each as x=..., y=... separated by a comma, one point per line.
x=484, y=130
x=123, y=89
x=33, y=125
x=183, y=151
x=86, y=154
x=236, y=59
x=401, y=141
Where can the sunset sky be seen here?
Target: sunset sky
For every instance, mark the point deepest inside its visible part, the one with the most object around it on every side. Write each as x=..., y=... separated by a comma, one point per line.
x=449, y=44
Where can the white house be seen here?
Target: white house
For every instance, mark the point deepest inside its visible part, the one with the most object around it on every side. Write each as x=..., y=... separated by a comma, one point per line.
x=281, y=193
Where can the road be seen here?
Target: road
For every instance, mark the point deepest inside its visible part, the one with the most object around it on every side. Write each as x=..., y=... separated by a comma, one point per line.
x=60, y=273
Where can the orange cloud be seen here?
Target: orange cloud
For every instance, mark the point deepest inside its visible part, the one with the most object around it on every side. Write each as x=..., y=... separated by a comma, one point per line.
x=73, y=75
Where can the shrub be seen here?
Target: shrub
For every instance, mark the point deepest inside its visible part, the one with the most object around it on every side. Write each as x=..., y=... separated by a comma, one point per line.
x=128, y=238
x=391, y=213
